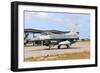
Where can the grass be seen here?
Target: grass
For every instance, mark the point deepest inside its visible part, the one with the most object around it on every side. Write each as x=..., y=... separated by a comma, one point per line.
x=65, y=56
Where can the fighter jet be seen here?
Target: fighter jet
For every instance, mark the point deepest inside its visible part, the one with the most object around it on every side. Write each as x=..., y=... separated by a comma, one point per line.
x=51, y=37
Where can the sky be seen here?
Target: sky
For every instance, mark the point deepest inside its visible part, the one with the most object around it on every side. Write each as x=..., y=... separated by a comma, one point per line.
x=63, y=21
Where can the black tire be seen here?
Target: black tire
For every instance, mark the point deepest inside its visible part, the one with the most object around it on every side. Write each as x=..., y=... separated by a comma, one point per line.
x=59, y=46
x=68, y=46
x=25, y=43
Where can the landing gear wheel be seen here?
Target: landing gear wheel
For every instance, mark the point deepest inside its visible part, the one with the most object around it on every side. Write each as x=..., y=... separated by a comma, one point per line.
x=68, y=46
x=59, y=46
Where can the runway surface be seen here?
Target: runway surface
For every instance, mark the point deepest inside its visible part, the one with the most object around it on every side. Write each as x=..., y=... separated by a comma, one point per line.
x=35, y=51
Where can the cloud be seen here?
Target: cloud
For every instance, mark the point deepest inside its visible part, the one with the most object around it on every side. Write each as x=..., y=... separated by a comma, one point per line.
x=50, y=17
x=42, y=15
x=36, y=15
